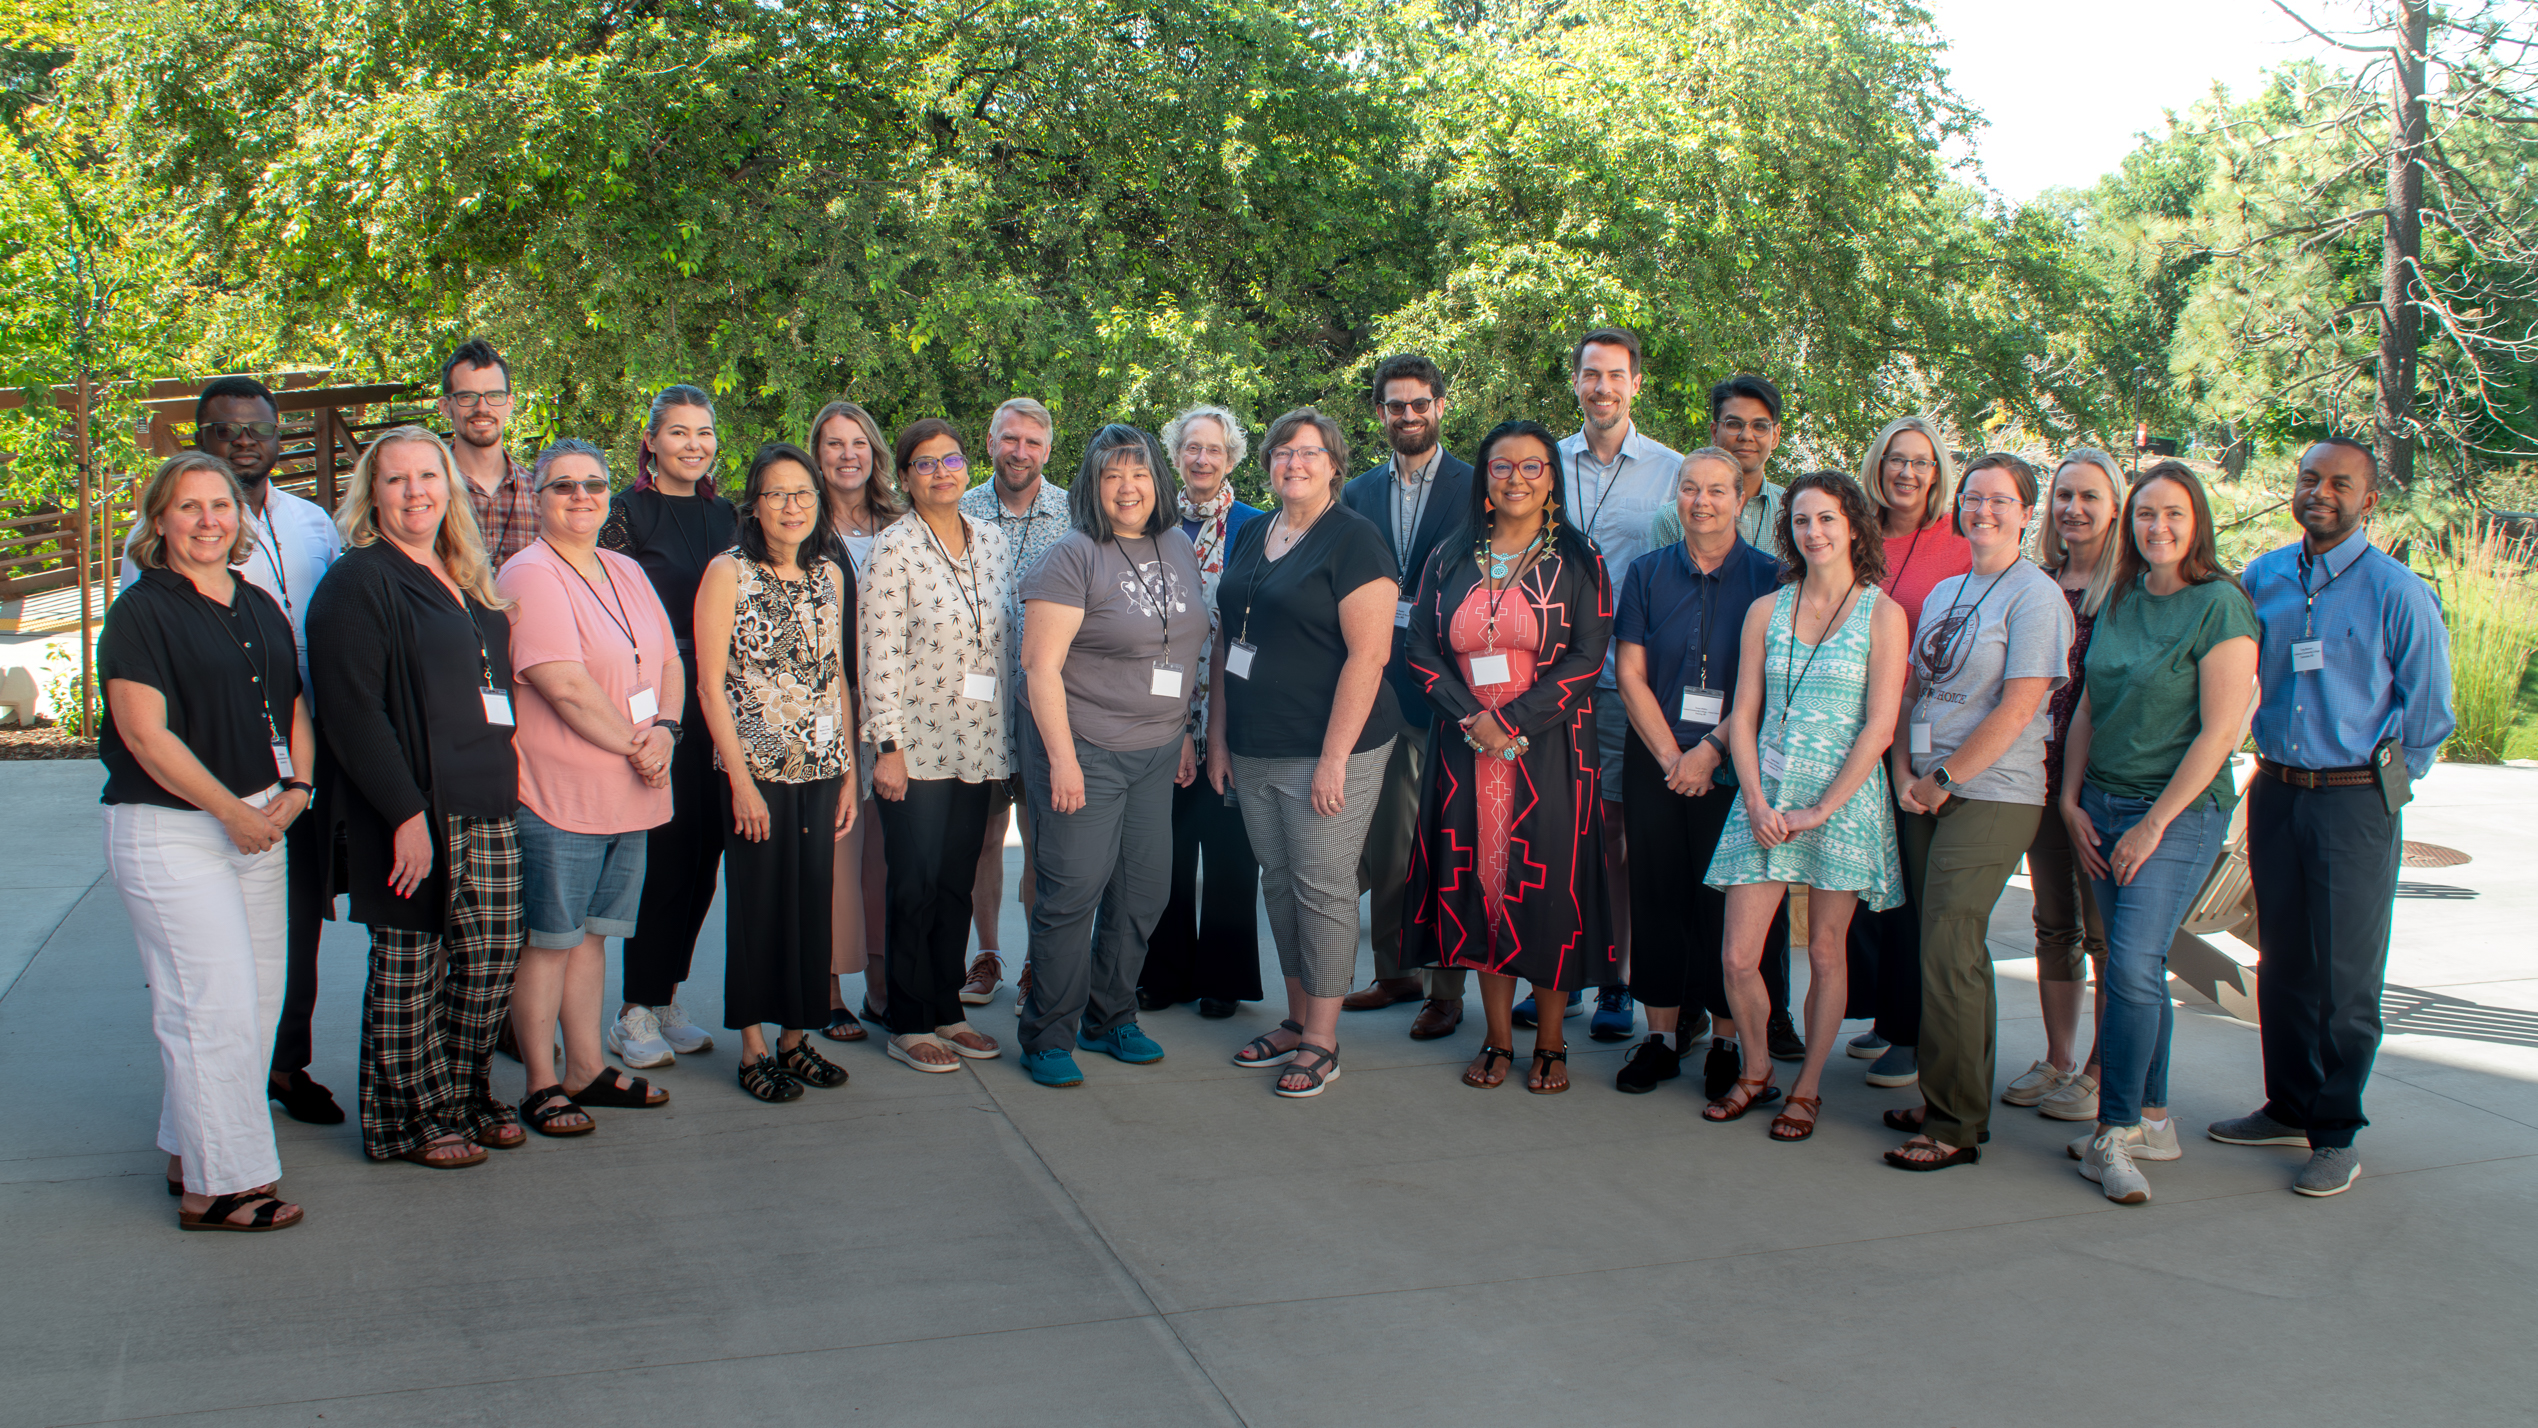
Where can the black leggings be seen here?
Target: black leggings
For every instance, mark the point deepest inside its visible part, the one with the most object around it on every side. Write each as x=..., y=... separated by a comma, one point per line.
x=929, y=844
x=1208, y=942
x=681, y=860
x=1678, y=921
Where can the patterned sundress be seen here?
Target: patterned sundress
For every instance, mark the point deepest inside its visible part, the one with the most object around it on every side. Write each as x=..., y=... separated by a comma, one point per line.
x=1511, y=631
x=1854, y=850
x=786, y=677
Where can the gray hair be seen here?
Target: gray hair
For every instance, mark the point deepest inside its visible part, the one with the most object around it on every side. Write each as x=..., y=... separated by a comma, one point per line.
x=1019, y=407
x=1237, y=443
x=1719, y=454
x=562, y=447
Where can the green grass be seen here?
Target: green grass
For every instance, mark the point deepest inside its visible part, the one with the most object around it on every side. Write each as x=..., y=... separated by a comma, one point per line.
x=2490, y=603
x=2522, y=741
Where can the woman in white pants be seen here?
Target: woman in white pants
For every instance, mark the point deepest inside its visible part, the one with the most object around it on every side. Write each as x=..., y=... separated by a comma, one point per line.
x=205, y=742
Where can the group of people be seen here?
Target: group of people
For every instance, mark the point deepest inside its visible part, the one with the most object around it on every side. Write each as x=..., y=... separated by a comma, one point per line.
x=1579, y=686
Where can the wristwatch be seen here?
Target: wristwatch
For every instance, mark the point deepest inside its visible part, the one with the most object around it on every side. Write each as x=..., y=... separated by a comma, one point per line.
x=1940, y=777
x=676, y=733
x=886, y=746
x=296, y=786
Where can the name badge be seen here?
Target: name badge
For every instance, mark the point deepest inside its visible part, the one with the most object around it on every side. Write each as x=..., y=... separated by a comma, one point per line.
x=1774, y=763
x=1490, y=669
x=1920, y=738
x=642, y=704
x=1702, y=706
x=1238, y=659
x=281, y=759
x=1401, y=614
x=981, y=687
x=2307, y=656
x=1167, y=681
x=823, y=728
x=497, y=707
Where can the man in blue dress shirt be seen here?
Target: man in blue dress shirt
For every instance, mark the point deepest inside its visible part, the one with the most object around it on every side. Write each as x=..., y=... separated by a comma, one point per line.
x=2354, y=656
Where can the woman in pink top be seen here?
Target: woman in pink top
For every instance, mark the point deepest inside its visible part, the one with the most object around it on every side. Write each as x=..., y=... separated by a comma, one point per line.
x=597, y=696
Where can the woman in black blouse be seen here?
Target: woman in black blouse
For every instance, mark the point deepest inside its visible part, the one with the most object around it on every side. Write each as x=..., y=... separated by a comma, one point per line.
x=204, y=739
x=673, y=523
x=410, y=659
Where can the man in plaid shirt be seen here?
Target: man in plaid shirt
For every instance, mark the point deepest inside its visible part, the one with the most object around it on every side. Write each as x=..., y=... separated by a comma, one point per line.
x=476, y=402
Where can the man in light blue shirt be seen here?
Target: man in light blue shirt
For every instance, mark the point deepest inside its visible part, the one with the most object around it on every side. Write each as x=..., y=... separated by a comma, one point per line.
x=2355, y=669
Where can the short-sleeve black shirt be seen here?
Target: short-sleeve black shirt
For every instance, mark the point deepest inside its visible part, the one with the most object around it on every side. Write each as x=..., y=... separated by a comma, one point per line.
x=1288, y=609
x=474, y=773
x=228, y=672
x=674, y=538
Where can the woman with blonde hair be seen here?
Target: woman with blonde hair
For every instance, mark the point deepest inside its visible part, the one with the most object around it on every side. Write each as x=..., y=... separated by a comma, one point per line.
x=410, y=661
x=857, y=472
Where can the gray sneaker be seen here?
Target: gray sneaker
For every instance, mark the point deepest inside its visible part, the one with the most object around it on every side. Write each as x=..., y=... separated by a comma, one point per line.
x=2140, y=1142
x=2076, y=1101
x=1898, y=1067
x=2109, y=1162
x=2330, y=1171
x=1867, y=1046
x=2041, y=1080
x=2257, y=1128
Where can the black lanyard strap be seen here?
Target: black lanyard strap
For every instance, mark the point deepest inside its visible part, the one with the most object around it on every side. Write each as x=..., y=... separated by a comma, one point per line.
x=259, y=674
x=620, y=617
x=1797, y=607
x=963, y=570
x=1260, y=559
x=1160, y=596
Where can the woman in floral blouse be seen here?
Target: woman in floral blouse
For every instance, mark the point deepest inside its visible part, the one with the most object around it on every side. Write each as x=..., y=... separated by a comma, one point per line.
x=936, y=643
x=771, y=637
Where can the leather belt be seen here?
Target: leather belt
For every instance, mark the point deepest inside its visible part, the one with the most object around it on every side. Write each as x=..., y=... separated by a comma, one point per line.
x=2318, y=778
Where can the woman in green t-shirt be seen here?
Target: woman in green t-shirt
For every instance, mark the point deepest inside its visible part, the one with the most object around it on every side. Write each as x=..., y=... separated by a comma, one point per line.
x=2170, y=680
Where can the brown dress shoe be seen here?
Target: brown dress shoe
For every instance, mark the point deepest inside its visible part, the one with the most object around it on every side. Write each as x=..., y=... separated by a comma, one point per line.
x=1438, y=1018
x=1384, y=992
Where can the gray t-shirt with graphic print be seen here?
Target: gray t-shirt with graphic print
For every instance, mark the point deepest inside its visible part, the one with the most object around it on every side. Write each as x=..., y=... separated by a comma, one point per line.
x=1110, y=669
x=1976, y=632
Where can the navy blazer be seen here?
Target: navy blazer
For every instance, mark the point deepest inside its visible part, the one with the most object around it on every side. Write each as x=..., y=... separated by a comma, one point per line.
x=1449, y=495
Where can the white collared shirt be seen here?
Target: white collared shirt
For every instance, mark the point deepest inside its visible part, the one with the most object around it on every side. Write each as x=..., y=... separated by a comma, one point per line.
x=1615, y=502
x=308, y=542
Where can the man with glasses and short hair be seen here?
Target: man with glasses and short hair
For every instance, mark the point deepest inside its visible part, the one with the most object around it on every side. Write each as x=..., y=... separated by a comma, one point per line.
x=1744, y=422
x=1032, y=514
x=476, y=402
x=237, y=420
x=1415, y=498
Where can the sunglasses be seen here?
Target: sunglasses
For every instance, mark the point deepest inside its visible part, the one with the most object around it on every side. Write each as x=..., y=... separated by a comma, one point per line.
x=233, y=430
x=587, y=485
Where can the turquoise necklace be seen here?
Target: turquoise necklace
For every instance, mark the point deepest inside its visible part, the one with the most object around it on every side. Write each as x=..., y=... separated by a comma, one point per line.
x=1498, y=565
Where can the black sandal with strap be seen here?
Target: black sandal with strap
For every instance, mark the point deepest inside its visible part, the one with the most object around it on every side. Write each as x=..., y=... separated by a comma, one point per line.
x=215, y=1216
x=1490, y=1057
x=619, y=1092
x=1323, y=1070
x=810, y=1068
x=767, y=1081
x=842, y=1026
x=543, y=1108
x=1542, y=1060
x=1270, y=1055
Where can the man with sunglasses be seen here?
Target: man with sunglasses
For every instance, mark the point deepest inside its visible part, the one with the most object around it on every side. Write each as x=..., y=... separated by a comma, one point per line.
x=237, y=421
x=1415, y=498
x=476, y=402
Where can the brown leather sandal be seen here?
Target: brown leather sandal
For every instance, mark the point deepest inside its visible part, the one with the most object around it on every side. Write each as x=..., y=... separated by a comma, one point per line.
x=1727, y=1108
x=1787, y=1127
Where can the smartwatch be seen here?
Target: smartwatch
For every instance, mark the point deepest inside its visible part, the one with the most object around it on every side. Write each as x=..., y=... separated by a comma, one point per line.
x=886, y=746
x=1940, y=777
x=676, y=733
x=296, y=786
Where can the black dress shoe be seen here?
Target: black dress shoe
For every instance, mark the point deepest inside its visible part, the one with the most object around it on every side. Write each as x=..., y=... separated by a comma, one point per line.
x=1215, y=1008
x=1650, y=1062
x=1719, y=1069
x=1782, y=1039
x=304, y=1100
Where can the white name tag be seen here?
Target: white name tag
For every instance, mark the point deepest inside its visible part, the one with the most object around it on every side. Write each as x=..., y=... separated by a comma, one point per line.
x=1238, y=659
x=981, y=687
x=1401, y=614
x=1774, y=763
x=497, y=707
x=281, y=759
x=823, y=728
x=1920, y=738
x=1489, y=669
x=1167, y=681
x=642, y=704
x=1702, y=706
x=2307, y=656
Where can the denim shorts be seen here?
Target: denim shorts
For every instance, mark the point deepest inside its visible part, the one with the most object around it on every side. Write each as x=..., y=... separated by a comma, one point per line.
x=576, y=885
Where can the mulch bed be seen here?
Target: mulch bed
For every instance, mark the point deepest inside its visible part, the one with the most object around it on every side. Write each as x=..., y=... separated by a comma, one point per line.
x=44, y=742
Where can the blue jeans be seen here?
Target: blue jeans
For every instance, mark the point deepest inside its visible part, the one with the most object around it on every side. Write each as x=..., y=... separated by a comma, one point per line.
x=2141, y=921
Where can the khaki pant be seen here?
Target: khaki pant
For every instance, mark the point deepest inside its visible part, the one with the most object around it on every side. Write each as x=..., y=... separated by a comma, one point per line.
x=1958, y=860
x=1383, y=869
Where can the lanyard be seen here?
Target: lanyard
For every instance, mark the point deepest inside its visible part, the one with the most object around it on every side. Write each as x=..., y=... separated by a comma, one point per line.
x=963, y=570
x=1910, y=547
x=617, y=616
x=1938, y=641
x=1797, y=606
x=1159, y=597
x=256, y=672
x=467, y=611
x=1621, y=458
x=1532, y=557
x=1260, y=558
x=1708, y=583
x=1418, y=513
x=2309, y=597
x=273, y=554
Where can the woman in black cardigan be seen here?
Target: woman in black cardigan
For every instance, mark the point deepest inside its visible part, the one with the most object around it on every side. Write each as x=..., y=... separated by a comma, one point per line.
x=1507, y=633
x=410, y=658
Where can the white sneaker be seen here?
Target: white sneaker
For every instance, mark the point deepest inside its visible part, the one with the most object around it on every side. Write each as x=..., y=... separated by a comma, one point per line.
x=2075, y=1101
x=635, y=1038
x=2041, y=1080
x=685, y=1037
x=2142, y=1143
x=2109, y=1162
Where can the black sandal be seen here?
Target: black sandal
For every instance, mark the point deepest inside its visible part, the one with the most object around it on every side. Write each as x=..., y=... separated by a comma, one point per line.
x=1490, y=1057
x=1909, y=1122
x=810, y=1068
x=543, y=1108
x=842, y=1026
x=1270, y=1055
x=767, y=1081
x=1967, y=1155
x=215, y=1216
x=1323, y=1071
x=1541, y=1062
x=612, y=1090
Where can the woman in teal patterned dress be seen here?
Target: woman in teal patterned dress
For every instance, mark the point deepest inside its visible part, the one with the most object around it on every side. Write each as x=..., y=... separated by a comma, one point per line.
x=1809, y=739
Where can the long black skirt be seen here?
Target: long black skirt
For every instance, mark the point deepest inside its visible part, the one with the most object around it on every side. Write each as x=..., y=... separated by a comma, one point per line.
x=775, y=908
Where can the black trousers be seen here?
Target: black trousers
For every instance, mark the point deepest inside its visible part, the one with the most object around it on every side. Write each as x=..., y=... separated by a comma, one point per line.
x=1884, y=953
x=1208, y=942
x=776, y=923
x=1678, y=922
x=680, y=861
x=303, y=849
x=2324, y=862
x=929, y=845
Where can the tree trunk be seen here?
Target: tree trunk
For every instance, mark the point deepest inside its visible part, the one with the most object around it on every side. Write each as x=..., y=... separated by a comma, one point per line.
x=2401, y=245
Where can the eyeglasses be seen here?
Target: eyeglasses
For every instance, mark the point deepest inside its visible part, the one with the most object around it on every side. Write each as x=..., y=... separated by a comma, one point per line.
x=1917, y=465
x=1530, y=470
x=1973, y=502
x=1295, y=455
x=1201, y=451
x=238, y=430
x=1738, y=426
x=466, y=401
x=587, y=485
x=791, y=500
x=928, y=465
x=1416, y=407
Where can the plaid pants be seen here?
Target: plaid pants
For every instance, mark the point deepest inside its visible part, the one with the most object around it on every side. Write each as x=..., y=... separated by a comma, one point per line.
x=435, y=1001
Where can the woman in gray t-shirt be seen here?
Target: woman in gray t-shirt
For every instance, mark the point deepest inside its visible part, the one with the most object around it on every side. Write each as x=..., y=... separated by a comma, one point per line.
x=1968, y=770
x=1112, y=621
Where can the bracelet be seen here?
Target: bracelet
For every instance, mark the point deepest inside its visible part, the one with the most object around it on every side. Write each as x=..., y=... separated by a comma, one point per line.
x=295, y=785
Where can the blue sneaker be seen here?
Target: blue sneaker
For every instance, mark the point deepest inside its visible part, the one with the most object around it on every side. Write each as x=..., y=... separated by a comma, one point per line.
x=1526, y=1013
x=1053, y=1067
x=1125, y=1042
x=1613, y=1015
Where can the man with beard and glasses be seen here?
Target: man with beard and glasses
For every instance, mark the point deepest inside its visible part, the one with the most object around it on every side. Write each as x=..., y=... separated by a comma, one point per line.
x=1031, y=513
x=1415, y=498
x=294, y=540
x=476, y=402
